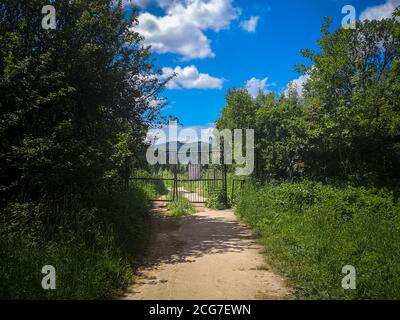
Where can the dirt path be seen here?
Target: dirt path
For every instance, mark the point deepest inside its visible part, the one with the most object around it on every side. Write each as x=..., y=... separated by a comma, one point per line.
x=208, y=255
x=191, y=196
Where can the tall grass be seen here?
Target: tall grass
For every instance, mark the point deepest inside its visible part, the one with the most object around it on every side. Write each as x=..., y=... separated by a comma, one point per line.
x=311, y=230
x=218, y=200
x=93, y=250
x=180, y=208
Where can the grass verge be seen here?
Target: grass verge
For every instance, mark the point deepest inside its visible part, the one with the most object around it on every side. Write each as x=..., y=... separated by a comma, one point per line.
x=93, y=250
x=311, y=231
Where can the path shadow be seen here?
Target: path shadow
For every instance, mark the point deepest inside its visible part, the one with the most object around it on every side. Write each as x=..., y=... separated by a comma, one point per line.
x=194, y=236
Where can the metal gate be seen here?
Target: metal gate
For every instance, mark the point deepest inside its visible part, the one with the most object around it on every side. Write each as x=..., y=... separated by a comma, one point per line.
x=195, y=183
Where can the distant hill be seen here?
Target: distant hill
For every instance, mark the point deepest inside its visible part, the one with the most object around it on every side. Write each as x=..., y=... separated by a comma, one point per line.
x=170, y=146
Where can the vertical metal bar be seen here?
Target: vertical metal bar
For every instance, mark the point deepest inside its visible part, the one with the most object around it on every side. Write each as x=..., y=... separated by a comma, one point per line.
x=174, y=188
x=206, y=191
x=224, y=184
x=215, y=180
x=233, y=189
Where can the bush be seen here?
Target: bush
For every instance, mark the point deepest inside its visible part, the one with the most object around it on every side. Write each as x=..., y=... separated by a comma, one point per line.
x=92, y=250
x=152, y=188
x=218, y=200
x=180, y=208
x=311, y=231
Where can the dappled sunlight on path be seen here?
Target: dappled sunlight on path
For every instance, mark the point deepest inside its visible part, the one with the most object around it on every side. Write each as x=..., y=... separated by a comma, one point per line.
x=208, y=255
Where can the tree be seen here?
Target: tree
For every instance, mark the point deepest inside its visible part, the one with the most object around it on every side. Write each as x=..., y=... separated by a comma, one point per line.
x=351, y=96
x=239, y=112
x=76, y=102
x=346, y=125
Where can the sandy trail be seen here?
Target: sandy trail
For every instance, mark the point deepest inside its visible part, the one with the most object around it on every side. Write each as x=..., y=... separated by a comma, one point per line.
x=208, y=255
x=191, y=196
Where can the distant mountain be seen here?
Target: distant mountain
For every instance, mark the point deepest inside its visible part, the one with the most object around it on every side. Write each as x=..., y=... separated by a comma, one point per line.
x=170, y=146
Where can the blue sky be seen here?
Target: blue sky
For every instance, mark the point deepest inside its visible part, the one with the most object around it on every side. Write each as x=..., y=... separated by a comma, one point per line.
x=218, y=44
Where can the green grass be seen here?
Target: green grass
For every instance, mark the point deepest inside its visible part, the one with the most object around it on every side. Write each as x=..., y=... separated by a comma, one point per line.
x=310, y=231
x=153, y=188
x=94, y=251
x=217, y=200
x=180, y=208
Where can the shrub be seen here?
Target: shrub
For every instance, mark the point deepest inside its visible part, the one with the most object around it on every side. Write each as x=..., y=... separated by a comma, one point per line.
x=312, y=230
x=218, y=200
x=180, y=208
x=93, y=250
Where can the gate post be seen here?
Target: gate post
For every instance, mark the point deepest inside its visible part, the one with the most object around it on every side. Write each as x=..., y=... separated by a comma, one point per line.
x=175, y=184
x=233, y=191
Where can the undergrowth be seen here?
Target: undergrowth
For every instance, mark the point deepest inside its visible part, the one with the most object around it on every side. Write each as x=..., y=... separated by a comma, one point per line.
x=310, y=231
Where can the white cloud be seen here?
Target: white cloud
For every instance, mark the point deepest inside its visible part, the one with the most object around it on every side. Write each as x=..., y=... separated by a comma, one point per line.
x=167, y=34
x=146, y=3
x=181, y=30
x=211, y=14
x=250, y=25
x=254, y=86
x=380, y=12
x=297, y=84
x=190, y=78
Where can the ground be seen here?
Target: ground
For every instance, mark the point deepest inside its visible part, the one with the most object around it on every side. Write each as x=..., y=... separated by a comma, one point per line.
x=208, y=255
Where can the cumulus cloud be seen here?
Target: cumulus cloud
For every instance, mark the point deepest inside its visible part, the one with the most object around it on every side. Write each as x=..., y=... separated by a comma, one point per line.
x=254, y=86
x=167, y=34
x=146, y=3
x=297, y=84
x=190, y=78
x=181, y=29
x=250, y=25
x=380, y=12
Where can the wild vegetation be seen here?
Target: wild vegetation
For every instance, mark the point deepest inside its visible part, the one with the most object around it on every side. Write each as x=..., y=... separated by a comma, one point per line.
x=311, y=231
x=76, y=103
x=218, y=200
x=75, y=106
x=328, y=162
x=180, y=208
x=345, y=125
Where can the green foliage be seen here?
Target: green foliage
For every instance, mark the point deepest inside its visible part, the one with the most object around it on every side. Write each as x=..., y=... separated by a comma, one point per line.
x=93, y=250
x=152, y=188
x=76, y=102
x=311, y=230
x=235, y=186
x=180, y=208
x=217, y=200
x=239, y=111
x=344, y=125
x=75, y=106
